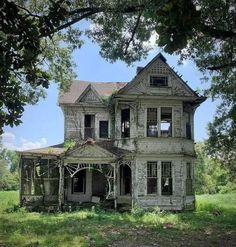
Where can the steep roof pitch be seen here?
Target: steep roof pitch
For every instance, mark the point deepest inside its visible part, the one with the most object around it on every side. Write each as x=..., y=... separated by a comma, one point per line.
x=141, y=70
x=77, y=88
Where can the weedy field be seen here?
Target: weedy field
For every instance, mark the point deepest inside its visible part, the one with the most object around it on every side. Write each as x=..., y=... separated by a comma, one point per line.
x=212, y=224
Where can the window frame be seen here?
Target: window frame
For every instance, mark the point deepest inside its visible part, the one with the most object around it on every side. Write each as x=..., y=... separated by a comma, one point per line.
x=152, y=177
x=170, y=179
x=107, y=136
x=124, y=121
x=84, y=174
x=160, y=77
x=159, y=131
x=189, y=179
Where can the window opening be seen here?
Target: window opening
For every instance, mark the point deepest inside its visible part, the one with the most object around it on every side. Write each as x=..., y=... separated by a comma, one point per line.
x=166, y=121
x=151, y=177
x=166, y=178
x=189, y=180
x=103, y=129
x=188, y=126
x=125, y=123
x=152, y=126
x=158, y=81
x=79, y=182
x=89, y=122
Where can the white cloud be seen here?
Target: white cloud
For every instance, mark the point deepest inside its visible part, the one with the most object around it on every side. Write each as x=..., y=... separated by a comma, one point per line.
x=10, y=141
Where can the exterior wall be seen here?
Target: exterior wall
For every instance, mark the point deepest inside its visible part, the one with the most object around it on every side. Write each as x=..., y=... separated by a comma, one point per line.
x=176, y=201
x=74, y=121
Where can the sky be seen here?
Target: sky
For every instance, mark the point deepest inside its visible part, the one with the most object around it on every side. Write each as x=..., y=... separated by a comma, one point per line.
x=43, y=124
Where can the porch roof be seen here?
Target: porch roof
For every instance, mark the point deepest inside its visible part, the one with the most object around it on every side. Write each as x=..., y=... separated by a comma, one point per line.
x=55, y=150
x=59, y=150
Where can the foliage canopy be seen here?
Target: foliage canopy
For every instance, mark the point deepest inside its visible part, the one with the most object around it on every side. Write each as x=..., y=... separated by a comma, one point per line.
x=37, y=38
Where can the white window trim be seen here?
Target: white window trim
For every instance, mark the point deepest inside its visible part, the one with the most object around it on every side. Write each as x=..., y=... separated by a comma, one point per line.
x=159, y=121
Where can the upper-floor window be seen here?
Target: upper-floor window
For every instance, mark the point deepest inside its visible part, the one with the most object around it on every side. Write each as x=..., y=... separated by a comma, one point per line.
x=166, y=121
x=103, y=129
x=159, y=124
x=158, y=81
x=89, y=123
x=152, y=126
x=166, y=178
x=188, y=126
x=125, y=123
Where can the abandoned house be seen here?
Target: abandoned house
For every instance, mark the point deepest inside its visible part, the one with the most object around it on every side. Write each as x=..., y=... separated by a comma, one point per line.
x=130, y=143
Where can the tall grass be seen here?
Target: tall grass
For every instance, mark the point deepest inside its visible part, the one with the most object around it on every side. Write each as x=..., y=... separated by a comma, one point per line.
x=99, y=228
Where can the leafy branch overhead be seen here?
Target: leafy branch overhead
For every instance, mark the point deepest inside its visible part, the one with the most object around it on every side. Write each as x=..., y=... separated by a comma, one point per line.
x=38, y=37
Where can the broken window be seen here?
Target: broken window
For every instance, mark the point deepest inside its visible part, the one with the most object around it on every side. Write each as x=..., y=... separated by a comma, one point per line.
x=152, y=126
x=39, y=177
x=125, y=123
x=166, y=121
x=166, y=178
x=89, y=122
x=158, y=81
x=188, y=126
x=151, y=177
x=189, y=180
x=79, y=182
x=103, y=129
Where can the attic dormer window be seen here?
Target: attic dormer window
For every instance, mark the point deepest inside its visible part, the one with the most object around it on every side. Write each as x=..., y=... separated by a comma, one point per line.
x=158, y=81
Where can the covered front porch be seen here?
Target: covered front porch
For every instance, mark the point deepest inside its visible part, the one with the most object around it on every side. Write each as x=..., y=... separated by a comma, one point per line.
x=87, y=174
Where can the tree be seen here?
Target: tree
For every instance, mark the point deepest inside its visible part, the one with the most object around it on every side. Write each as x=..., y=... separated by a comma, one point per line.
x=9, y=177
x=210, y=176
x=37, y=38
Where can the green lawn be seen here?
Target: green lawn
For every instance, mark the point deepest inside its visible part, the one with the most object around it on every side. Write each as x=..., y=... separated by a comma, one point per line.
x=212, y=224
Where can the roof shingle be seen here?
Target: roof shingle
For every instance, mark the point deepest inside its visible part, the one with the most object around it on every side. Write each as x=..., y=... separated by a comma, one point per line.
x=77, y=87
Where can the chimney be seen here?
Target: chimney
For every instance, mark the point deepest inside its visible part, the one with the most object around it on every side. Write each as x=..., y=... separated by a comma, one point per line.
x=138, y=69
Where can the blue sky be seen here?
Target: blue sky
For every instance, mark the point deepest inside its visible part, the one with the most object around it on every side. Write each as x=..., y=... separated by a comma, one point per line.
x=43, y=124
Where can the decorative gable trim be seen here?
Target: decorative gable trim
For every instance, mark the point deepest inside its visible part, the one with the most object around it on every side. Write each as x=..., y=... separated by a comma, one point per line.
x=91, y=151
x=89, y=95
x=179, y=88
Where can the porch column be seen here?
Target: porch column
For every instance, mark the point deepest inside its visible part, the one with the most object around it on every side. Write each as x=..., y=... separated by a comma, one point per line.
x=115, y=186
x=61, y=185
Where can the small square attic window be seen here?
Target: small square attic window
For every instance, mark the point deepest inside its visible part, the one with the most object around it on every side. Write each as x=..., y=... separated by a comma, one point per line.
x=158, y=81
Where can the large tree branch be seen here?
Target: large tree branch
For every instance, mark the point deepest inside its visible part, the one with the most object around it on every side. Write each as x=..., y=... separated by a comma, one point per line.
x=222, y=66
x=217, y=33
x=133, y=33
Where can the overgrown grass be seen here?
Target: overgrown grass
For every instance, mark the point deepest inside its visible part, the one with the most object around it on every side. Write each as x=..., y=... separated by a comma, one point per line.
x=213, y=223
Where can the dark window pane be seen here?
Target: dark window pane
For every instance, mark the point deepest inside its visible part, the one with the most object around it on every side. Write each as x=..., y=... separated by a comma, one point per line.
x=188, y=131
x=151, y=177
x=158, y=81
x=79, y=182
x=189, y=187
x=166, y=186
x=103, y=129
x=125, y=123
x=151, y=169
x=89, y=121
x=151, y=185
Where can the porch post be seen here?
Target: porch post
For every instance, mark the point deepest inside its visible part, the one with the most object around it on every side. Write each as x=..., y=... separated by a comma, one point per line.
x=115, y=187
x=61, y=185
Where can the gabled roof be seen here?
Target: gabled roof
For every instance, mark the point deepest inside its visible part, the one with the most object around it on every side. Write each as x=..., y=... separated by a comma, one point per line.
x=90, y=89
x=143, y=69
x=77, y=88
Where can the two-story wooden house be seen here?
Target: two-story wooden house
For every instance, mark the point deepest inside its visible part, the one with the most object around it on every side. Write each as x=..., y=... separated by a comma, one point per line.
x=133, y=144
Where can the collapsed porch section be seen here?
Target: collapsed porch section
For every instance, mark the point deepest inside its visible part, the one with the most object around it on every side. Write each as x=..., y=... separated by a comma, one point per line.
x=86, y=173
